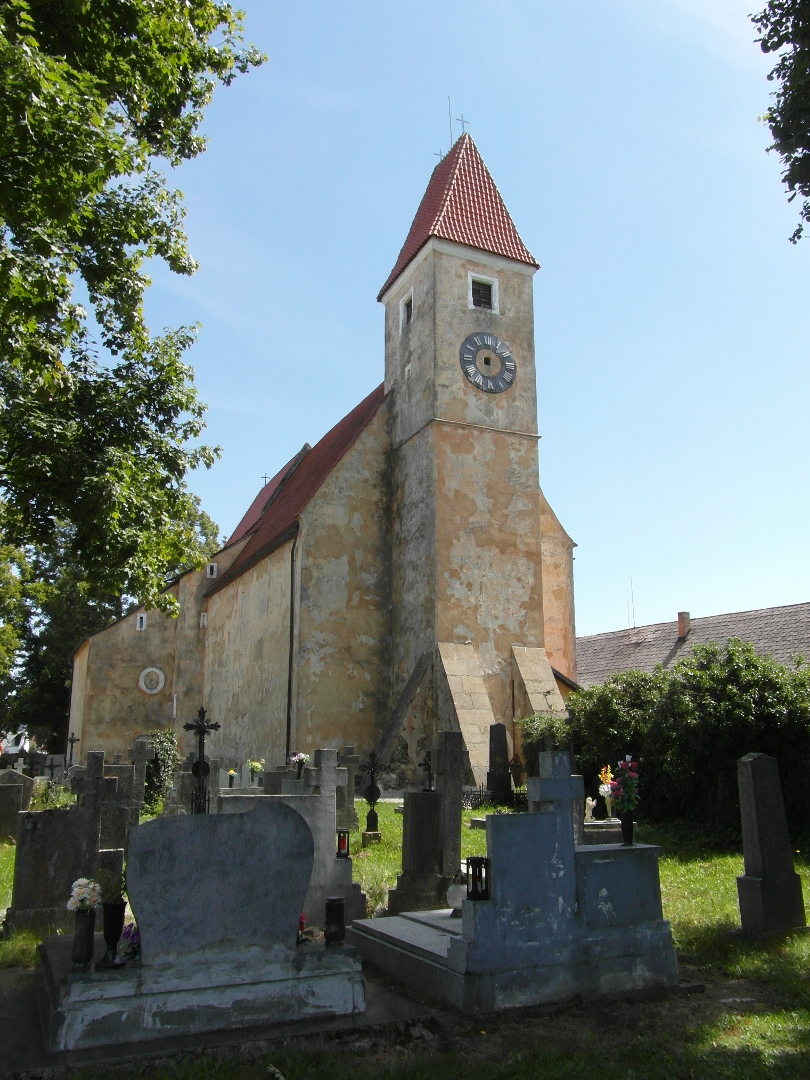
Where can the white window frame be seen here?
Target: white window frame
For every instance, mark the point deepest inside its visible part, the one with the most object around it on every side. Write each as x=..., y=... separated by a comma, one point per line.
x=203, y=619
x=471, y=277
x=211, y=570
x=140, y=621
x=408, y=296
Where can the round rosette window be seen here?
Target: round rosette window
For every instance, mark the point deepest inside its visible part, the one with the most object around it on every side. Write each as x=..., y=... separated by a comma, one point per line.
x=151, y=680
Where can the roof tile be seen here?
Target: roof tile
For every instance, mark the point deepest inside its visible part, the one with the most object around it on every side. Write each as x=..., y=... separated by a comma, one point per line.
x=779, y=632
x=279, y=518
x=461, y=203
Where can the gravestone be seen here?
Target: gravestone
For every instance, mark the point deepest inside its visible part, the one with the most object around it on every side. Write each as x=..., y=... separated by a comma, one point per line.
x=556, y=764
x=217, y=899
x=346, y=811
x=431, y=832
x=557, y=921
x=55, y=847
x=274, y=778
x=499, y=778
x=11, y=798
x=330, y=876
x=770, y=891
x=15, y=779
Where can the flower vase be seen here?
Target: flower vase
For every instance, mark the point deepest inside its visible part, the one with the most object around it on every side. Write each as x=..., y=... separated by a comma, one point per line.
x=113, y=928
x=83, y=939
x=609, y=807
x=300, y=770
x=626, y=818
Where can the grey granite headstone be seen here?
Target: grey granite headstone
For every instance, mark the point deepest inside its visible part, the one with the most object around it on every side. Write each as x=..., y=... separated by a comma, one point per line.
x=219, y=881
x=10, y=776
x=557, y=764
x=770, y=892
x=346, y=811
x=10, y=806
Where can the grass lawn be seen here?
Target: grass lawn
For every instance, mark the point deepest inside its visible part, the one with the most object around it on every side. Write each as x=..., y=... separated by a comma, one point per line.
x=753, y=1021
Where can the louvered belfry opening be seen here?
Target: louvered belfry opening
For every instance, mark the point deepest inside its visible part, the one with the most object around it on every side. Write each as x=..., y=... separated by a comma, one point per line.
x=482, y=294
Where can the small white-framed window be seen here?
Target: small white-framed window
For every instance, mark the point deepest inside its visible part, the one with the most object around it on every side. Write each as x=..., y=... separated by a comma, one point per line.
x=482, y=293
x=211, y=570
x=203, y=618
x=407, y=371
x=406, y=311
x=140, y=621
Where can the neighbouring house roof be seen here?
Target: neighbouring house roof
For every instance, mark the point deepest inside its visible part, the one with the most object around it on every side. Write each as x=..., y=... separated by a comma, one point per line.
x=463, y=204
x=780, y=632
x=298, y=482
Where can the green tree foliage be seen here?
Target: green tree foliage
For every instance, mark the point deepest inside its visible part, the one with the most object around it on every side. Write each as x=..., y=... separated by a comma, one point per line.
x=687, y=727
x=784, y=26
x=98, y=418
x=47, y=606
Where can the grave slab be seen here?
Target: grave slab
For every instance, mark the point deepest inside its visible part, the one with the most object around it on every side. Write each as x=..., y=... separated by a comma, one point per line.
x=217, y=900
x=558, y=921
x=770, y=892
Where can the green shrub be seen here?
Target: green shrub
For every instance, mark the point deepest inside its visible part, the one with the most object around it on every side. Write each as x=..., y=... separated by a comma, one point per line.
x=542, y=731
x=161, y=768
x=687, y=727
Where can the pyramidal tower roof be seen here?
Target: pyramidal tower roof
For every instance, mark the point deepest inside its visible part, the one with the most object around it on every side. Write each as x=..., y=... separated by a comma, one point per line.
x=462, y=204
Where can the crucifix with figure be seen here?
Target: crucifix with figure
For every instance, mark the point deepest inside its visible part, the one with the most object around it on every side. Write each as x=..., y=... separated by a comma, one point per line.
x=201, y=727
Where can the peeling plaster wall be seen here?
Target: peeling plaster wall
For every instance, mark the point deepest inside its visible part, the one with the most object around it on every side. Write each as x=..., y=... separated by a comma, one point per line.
x=558, y=592
x=246, y=663
x=343, y=688
x=489, y=588
x=108, y=709
x=466, y=523
x=115, y=709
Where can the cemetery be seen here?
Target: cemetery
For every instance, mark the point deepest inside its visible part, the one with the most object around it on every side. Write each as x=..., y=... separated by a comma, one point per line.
x=266, y=917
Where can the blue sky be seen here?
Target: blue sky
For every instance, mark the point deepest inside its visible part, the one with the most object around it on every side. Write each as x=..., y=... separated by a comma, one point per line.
x=671, y=311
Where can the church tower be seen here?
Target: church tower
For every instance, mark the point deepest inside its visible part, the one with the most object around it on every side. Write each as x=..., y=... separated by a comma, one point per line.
x=460, y=372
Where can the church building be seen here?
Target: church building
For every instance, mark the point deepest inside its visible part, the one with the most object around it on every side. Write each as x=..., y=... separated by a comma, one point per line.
x=405, y=575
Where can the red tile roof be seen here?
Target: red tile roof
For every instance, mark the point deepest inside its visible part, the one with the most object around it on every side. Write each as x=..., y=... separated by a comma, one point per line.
x=267, y=493
x=278, y=521
x=462, y=204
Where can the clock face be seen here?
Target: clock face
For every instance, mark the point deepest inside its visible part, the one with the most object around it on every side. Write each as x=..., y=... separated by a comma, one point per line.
x=488, y=363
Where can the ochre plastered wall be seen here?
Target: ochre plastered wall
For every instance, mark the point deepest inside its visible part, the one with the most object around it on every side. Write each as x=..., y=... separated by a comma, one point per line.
x=106, y=700
x=343, y=635
x=558, y=593
x=246, y=663
x=115, y=709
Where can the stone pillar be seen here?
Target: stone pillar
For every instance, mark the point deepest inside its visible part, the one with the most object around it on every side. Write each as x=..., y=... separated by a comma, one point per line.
x=499, y=779
x=346, y=812
x=770, y=892
x=449, y=762
x=419, y=884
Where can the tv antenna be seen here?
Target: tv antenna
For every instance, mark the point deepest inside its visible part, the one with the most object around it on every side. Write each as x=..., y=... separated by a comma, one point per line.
x=450, y=119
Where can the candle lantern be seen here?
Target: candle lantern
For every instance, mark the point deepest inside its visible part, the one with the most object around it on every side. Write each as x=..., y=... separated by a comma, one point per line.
x=477, y=878
x=343, y=843
x=334, y=930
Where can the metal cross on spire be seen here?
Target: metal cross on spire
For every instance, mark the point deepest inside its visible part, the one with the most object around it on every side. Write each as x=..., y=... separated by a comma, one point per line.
x=265, y=478
x=464, y=123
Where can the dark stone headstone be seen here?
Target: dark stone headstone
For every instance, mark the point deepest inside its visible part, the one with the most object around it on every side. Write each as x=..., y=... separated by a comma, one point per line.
x=15, y=779
x=10, y=806
x=55, y=847
x=770, y=892
x=431, y=832
x=499, y=778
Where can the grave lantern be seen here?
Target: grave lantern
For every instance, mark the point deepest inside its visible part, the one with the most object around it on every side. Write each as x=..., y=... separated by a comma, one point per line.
x=477, y=878
x=343, y=843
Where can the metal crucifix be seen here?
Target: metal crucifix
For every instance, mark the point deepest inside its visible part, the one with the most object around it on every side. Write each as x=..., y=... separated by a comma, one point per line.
x=201, y=727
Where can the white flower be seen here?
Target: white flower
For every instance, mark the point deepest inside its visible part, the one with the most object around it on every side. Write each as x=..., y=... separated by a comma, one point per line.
x=605, y=791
